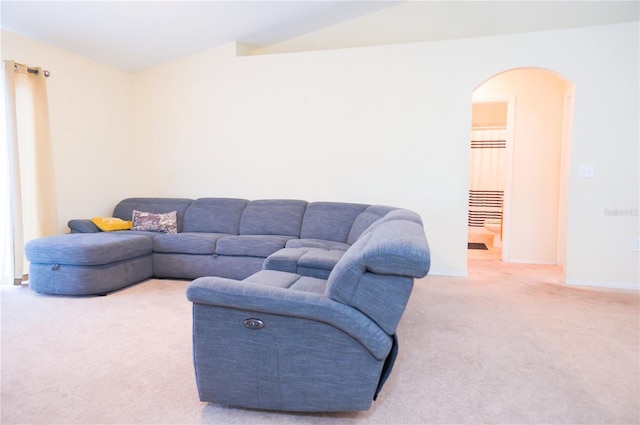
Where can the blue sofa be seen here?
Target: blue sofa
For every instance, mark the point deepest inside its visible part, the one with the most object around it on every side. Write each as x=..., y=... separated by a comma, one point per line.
x=225, y=237
x=295, y=304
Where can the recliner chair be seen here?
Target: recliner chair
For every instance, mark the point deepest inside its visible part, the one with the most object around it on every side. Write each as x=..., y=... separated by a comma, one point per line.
x=282, y=341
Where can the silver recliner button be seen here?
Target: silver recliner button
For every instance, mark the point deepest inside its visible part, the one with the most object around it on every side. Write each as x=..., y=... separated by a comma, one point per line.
x=253, y=323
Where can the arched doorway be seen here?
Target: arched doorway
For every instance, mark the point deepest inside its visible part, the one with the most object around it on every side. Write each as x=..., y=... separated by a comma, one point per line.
x=537, y=106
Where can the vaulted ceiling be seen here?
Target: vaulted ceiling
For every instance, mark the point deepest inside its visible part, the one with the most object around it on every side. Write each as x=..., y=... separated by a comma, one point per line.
x=133, y=35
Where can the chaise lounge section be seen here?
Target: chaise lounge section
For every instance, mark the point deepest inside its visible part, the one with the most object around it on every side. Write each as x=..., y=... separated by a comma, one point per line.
x=88, y=264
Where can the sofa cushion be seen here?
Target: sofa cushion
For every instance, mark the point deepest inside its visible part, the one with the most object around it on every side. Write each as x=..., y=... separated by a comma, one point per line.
x=286, y=280
x=310, y=262
x=324, y=259
x=274, y=278
x=272, y=217
x=317, y=243
x=285, y=260
x=329, y=221
x=365, y=219
x=124, y=209
x=310, y=284
x=214, y=215
x=250, y=245
x=186, y=243
x=87, y=249
x=318, y=263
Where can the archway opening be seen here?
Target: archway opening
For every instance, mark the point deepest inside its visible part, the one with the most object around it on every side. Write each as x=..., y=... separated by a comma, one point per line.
x=521, y=123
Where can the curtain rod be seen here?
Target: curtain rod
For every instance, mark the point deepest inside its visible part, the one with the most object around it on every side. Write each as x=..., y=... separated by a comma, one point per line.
x=33, y=70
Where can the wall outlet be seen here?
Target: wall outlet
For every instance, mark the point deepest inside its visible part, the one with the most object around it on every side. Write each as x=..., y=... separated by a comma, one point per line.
x=636, y=244
x=586, y=171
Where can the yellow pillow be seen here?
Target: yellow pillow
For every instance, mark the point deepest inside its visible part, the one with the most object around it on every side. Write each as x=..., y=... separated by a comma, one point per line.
x=107, y=224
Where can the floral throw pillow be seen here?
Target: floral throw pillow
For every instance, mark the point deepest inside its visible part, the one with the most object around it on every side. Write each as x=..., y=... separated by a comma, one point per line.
x=152, y=222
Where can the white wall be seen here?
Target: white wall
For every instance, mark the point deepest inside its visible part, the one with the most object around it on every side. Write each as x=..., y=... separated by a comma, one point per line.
x=386, y=125
x=389, y=125
x=91, y=127
x=337, y=125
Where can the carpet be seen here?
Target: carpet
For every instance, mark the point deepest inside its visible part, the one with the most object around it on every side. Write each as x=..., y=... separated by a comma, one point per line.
x=476, y=245
x=508, y=345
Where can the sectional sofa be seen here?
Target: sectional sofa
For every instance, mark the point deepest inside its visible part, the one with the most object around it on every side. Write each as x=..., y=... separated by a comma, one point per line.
x=225, y=237
x=295, y=304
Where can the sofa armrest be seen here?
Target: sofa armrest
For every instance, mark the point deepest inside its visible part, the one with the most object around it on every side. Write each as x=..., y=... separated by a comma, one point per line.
x=216, y=291
x=82, y=226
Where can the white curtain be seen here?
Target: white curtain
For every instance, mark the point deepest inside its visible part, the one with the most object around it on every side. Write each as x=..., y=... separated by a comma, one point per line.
x=488, y=163
x=487, y=175
x=27, y=187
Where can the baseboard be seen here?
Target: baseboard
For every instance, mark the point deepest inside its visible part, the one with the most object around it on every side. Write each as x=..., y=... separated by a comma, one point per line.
x=522, y=261
x=572, y=282
x=604, y=285
x=594, y=284
x=448, y=273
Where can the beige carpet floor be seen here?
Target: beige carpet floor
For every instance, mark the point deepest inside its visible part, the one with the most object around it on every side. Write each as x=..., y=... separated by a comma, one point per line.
x=508, y=345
